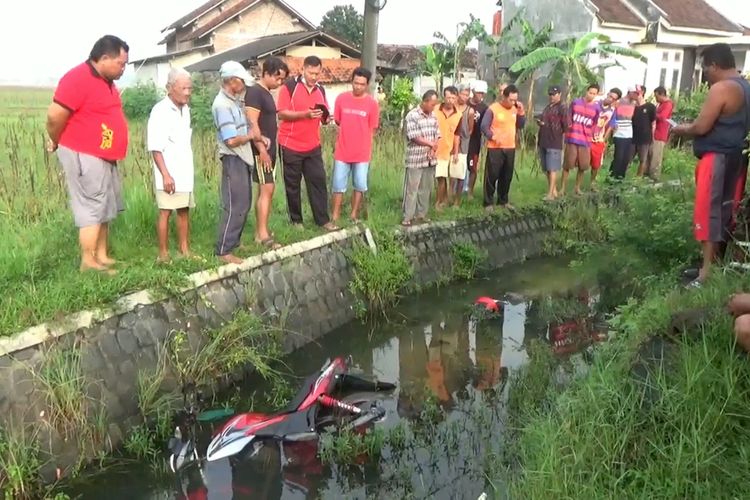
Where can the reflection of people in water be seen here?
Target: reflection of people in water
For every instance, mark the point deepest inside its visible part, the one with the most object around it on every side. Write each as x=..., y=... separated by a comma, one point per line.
x=579, y=331
x=447, y=359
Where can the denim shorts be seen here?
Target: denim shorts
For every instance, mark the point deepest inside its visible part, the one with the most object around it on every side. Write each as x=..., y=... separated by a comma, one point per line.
x=341, y=172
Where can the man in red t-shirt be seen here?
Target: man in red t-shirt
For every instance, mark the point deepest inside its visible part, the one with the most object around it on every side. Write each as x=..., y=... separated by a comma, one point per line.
x=87, y=128
x=358, y=115
x=661, y=132
x=302, y=107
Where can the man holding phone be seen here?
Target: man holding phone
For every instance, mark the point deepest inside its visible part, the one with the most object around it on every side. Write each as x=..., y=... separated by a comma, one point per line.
x=302, y=108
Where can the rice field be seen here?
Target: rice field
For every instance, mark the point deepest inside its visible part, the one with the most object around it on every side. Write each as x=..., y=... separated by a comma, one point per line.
x=39, y=266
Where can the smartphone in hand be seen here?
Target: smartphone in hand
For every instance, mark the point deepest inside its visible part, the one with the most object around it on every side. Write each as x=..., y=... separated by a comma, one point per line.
x=324, y=110
x=671, y=123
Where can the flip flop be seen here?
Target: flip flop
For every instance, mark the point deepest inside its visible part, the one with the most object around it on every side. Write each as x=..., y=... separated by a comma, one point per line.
x=406, y=223
x=331, y=227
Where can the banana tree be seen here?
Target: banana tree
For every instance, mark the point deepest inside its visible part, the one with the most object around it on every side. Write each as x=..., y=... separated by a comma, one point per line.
x=530, y=40
x=438, y=62
x=473, y=30
x=569, y=59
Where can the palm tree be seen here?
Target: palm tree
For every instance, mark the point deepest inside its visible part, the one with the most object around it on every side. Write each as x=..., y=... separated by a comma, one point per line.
x=569, y=59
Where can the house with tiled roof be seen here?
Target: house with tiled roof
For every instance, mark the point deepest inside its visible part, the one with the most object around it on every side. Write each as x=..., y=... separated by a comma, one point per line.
x=669, y=33
x=244, y=30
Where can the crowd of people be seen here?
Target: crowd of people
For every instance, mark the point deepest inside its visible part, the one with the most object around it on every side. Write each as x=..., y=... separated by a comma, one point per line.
x=444, y=137
x=87, y=127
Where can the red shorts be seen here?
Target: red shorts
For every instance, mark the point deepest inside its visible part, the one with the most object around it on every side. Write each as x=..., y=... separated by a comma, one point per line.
x=719, y=186
x=597, y=154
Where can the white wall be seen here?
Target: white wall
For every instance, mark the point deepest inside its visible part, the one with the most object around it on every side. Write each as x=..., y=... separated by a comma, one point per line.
x=632, y=71
x=157, y=72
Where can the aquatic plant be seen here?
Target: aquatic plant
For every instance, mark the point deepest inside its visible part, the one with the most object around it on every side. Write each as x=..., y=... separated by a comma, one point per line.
x=467, y=258
x=19, y=463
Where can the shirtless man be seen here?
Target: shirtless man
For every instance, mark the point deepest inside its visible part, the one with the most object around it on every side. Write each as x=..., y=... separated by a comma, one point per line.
x=719, y=135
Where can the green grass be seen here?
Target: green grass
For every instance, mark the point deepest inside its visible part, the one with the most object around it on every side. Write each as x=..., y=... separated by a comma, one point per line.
x=39, y=270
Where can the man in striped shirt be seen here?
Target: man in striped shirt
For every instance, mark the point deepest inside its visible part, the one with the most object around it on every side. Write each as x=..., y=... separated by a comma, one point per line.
x=422, y=136
x=584, y=113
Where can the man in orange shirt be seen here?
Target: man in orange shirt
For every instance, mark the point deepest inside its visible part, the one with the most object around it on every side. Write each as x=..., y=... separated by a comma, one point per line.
x=449, y=120
x=499, y=125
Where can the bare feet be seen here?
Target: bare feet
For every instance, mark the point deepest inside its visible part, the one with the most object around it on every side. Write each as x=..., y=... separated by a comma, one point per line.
x=164, y=259
x=230, y=259
x=106, y=261
x=85, y=267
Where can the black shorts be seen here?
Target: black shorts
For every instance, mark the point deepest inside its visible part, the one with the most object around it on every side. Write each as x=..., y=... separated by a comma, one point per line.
x=260, y=175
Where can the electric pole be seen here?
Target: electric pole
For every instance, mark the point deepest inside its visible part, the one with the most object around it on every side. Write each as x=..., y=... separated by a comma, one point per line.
x=370, y=42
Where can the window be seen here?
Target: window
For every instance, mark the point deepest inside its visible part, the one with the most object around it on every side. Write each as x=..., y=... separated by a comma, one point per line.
x=677, y=56
x=665, y=56
x=663, y=77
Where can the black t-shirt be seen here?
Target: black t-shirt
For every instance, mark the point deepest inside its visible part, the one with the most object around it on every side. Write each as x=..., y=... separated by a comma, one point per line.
x=260, y=99
x=555, y=119
x=475, y=142
x=643, y=120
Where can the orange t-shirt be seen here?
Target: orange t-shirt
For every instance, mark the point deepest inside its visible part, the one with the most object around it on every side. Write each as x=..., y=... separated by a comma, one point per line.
x=503, y=126
x=448, y=126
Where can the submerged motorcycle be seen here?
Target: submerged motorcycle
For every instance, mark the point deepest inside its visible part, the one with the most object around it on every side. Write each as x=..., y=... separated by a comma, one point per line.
x=330, y=398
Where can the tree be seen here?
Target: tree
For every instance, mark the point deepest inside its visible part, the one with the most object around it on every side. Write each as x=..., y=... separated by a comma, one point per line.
x=346, y=22
x=473, y=30
x=438, y=62
x=569, y=59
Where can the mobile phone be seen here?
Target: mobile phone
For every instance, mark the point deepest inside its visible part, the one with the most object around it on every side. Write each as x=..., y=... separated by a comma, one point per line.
x=324, y=109
x=671, y=122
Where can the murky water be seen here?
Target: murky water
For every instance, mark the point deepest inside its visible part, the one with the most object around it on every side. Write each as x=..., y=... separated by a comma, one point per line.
x=451, y=373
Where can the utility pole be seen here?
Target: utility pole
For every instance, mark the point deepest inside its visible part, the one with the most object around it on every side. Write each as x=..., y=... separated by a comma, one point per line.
x=370, y=42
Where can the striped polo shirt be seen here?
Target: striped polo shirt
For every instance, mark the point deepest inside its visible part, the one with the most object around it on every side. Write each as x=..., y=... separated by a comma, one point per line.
x=583, y=118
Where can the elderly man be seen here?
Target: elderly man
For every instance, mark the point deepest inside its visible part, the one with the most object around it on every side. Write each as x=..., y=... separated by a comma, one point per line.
x=168, y=141
x=237, y=159
x=87, y=128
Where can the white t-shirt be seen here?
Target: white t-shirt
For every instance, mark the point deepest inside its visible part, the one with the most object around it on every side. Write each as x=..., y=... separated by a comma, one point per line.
x=169, y=131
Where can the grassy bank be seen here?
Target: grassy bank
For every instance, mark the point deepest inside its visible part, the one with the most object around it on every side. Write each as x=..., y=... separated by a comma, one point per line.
x=684, y=432
x=39, y=270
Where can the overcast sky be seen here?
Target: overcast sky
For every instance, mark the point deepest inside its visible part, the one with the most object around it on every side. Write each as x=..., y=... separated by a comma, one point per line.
x=41, y=39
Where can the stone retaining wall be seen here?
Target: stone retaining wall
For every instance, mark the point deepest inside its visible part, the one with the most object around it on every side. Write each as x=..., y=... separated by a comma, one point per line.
x=305, y=284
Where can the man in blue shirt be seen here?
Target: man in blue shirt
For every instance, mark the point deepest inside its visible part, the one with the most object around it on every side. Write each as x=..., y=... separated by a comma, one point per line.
x=237, y=160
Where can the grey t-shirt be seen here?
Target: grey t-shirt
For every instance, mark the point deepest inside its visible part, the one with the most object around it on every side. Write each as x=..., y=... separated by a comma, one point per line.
x=230, y=120
x=468, y=114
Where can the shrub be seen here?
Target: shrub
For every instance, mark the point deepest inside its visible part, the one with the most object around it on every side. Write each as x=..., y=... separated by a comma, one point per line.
x=467, y=259
x=379, y=278
x=689, y=105
x=138, y=100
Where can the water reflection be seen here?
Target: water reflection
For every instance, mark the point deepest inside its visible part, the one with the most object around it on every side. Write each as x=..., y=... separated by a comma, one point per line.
x=437, y=351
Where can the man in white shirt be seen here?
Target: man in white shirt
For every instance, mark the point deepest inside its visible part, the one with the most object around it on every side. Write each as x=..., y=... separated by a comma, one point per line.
x=169, y=135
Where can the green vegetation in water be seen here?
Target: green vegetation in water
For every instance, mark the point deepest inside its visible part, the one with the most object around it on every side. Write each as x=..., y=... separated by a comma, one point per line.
x=467, y=259
x=640, y=424
x=379, y=277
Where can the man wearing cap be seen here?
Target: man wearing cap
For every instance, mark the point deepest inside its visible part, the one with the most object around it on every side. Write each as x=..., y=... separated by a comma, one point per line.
x=237, y=158
x=552, y=127
x=478, y=106
x=302, y=108
x=87, y=128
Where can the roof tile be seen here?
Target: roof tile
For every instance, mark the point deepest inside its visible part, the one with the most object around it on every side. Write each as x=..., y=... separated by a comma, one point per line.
x=333, y=70
x=696, y=14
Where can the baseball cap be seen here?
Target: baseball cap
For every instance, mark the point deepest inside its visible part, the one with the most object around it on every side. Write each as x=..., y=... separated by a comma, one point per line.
x=553, y=90
x=479, y=86
x=234, y=69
